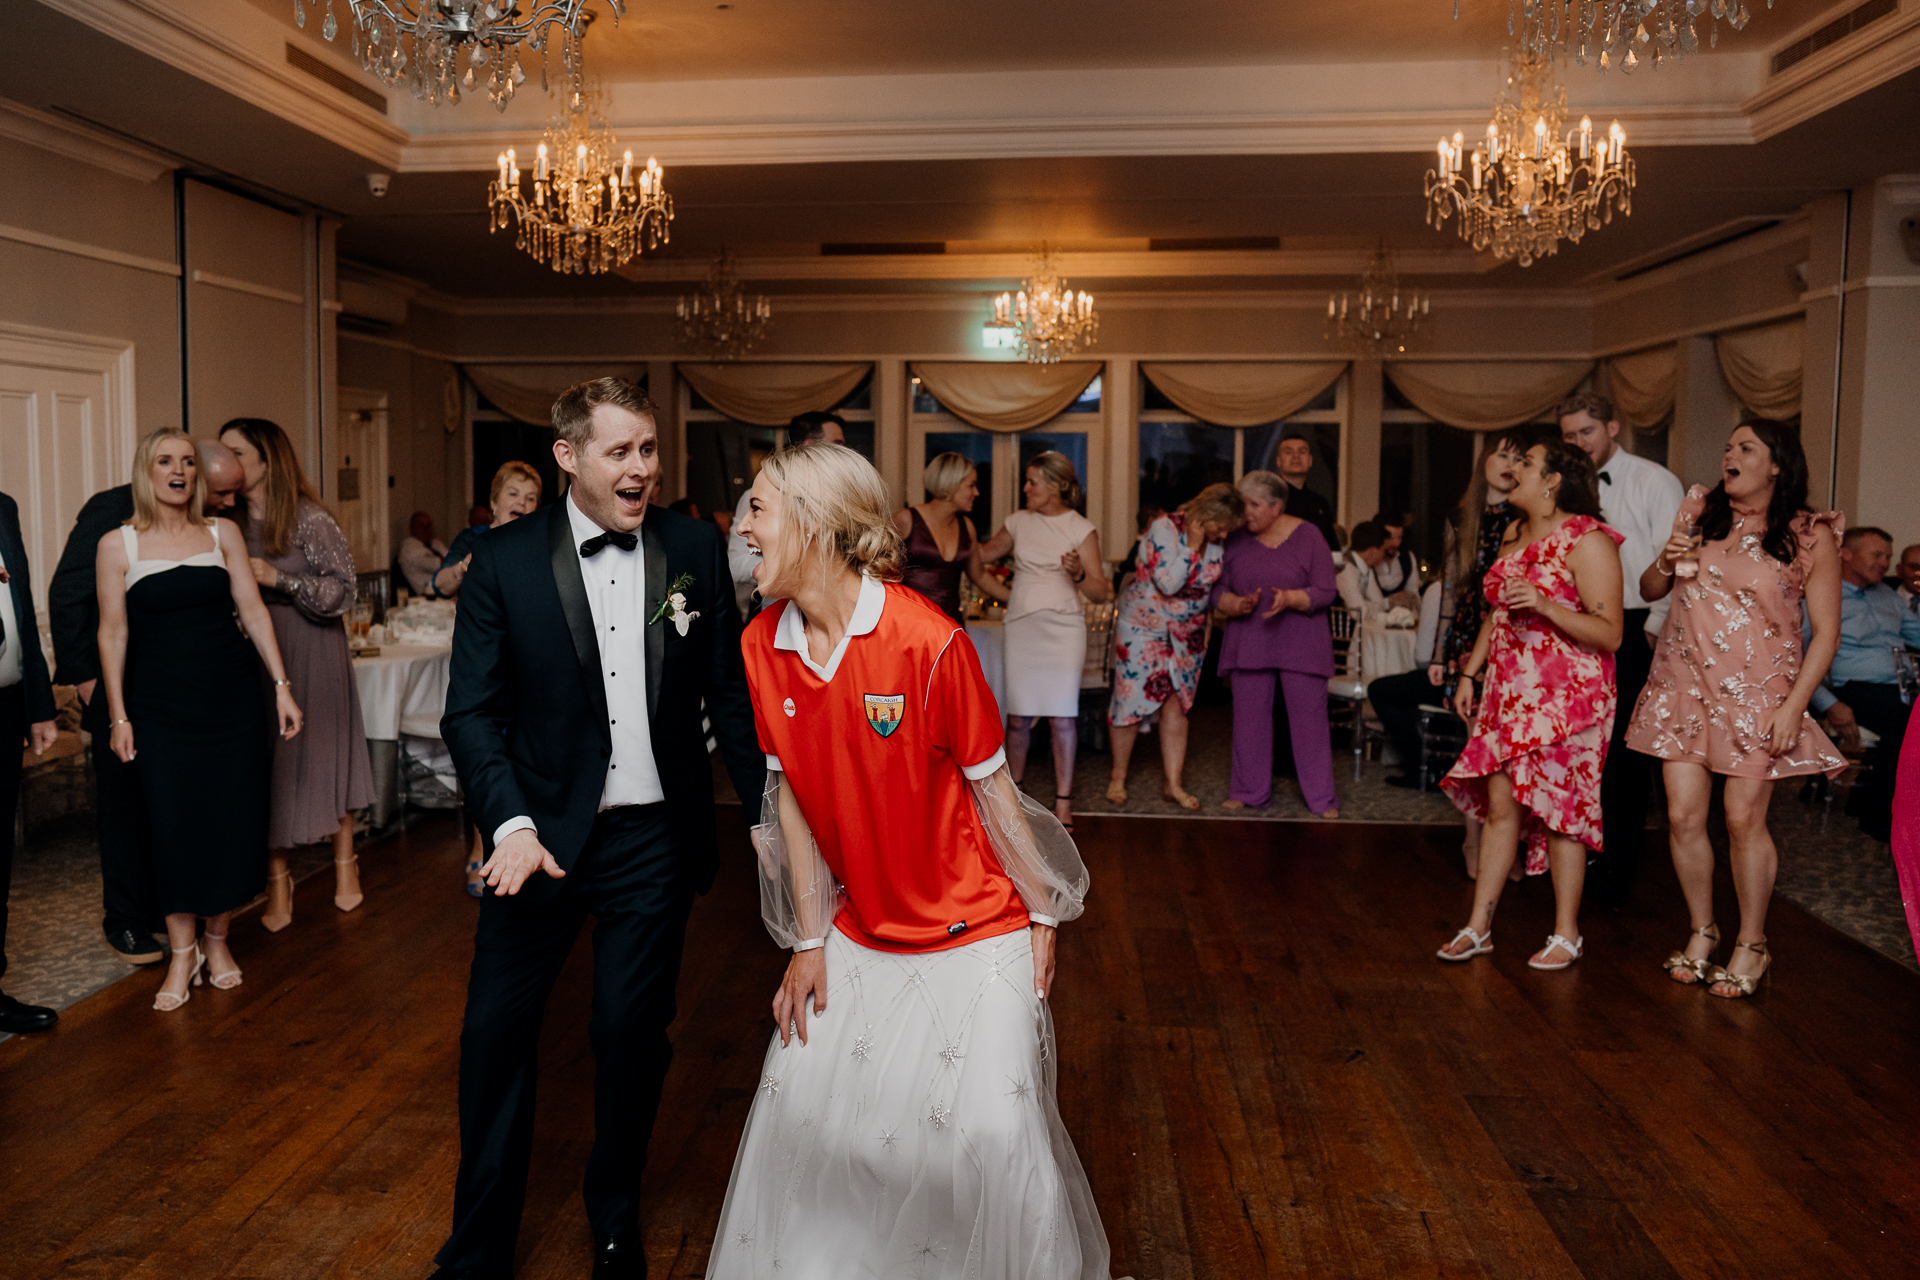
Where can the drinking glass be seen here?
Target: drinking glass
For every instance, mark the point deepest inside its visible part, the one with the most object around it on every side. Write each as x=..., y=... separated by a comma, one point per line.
x=360, y=620
x=1688, y=565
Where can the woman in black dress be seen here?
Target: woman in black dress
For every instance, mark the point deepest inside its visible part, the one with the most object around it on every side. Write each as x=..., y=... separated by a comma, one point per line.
x=173, y=663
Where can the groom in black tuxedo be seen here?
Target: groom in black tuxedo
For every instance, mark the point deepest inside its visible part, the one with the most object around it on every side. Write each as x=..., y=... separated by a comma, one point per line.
x=590, y=633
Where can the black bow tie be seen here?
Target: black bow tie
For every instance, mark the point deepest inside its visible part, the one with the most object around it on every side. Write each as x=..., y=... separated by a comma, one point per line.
x=625, y=541
x=1605, y=478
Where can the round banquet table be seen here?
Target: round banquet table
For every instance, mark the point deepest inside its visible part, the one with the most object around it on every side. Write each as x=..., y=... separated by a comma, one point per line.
x=404, y=681
x=1384, y=650
x=989, y=638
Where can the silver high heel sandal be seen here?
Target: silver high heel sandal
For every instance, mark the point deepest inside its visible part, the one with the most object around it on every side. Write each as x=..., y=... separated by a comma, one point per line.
x=221, y=981
x=166, y=1001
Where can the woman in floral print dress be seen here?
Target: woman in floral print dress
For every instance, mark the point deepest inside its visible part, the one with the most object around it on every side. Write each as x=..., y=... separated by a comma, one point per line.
x=1531, y=769
x=1160, y=632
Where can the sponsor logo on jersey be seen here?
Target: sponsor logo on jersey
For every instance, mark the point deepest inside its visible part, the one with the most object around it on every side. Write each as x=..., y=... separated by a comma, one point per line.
x=885, y=711
x=787, y=706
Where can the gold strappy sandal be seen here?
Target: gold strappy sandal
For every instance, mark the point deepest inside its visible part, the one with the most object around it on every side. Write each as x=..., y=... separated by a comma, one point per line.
x=1680, y=962
x=1743, y=984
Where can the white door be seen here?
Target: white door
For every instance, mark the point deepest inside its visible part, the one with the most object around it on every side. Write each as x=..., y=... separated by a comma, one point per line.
x=66, y=432
x=359, y=488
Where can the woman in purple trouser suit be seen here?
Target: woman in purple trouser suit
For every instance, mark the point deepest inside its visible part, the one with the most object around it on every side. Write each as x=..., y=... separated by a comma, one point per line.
x=1274, y=589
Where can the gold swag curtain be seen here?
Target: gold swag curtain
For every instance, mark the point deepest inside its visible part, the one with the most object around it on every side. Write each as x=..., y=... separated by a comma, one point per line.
x=1006, y=397
x=526, y=392
x=1643, y=385
x=1487, y=395
x=1764, y=366
x=1242, y=393
x=772, y=395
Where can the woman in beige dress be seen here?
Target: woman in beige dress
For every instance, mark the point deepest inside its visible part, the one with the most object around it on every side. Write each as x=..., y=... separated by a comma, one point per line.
x=1056, y=562
x=1730, y=684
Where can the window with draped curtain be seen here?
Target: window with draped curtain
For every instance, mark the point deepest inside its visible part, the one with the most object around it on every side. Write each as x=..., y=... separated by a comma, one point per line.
x=1000, y=458
x=1425, y=467
x=724, y=454
x=1180, y=455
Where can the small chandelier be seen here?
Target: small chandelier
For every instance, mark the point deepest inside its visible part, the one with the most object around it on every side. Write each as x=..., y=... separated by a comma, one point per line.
x=1378, y=316
x=491, y=32
x=1528, y=186
x=585, y=214
x=1614, y=33
x=719, y=321
x=1048, y=319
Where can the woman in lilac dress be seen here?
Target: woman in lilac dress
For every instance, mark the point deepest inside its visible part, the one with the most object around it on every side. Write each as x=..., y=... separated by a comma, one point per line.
x=1275, y=587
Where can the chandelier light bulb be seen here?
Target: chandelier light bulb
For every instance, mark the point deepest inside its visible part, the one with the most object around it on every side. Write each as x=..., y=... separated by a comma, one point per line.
x=719, y=321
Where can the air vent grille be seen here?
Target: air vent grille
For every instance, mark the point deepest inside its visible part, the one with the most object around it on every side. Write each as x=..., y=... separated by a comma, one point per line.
x=1834, y=32
x=332, y=76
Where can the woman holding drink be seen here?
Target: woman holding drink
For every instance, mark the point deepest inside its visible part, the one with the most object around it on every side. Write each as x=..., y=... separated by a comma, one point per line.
x=1730, y=685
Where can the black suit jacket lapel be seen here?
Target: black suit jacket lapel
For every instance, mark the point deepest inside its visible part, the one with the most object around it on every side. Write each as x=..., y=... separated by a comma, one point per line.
x=655, y=552
x=573, y=605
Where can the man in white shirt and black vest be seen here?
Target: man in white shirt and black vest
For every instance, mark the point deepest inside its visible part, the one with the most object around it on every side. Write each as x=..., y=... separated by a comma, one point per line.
x=1639, y=499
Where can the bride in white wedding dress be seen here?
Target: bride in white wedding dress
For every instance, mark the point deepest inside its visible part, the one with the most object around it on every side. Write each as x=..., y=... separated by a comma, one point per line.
x=905, y=1124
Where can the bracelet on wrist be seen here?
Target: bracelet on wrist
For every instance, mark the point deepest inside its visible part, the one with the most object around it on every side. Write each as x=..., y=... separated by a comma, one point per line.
x=283, y=684
x=115, y=724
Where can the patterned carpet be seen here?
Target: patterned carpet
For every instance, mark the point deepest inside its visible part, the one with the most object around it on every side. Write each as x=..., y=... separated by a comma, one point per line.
x=56, y=955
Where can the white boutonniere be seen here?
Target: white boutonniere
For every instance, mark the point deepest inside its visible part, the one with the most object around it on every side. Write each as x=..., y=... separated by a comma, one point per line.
x=674, y=607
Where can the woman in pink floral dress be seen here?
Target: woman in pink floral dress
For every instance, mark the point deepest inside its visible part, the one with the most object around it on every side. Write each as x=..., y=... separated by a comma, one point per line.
x=1531, y=769
x=1730, y=684
x=1160, y=633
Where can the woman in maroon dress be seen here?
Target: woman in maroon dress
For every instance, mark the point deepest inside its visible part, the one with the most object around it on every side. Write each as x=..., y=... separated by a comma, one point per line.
x=932, y=527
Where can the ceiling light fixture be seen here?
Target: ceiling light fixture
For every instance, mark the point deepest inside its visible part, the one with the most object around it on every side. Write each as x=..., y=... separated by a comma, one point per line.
x=1615, y=33
x=420, y=41
x=1377, y=316
x=1047, y=320
x=1527, y=186
x=720, y=321
x=586, y=214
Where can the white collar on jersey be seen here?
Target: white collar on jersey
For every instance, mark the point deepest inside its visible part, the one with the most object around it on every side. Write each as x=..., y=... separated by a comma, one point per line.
x=792, y=633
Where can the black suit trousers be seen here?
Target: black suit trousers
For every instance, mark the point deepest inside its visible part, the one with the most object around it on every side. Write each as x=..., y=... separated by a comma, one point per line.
x=1626, y=783
x=630, y=878
x=13, y=728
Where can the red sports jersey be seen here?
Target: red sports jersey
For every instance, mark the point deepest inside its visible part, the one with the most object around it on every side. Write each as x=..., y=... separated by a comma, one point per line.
x=878, y=747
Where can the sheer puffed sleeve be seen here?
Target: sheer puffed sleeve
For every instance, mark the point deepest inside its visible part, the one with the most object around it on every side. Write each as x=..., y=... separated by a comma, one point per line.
x=799, y=896
x=326, y=590
x=1034, y=849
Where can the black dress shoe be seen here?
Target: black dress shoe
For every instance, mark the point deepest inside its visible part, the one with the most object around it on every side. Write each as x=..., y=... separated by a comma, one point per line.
x=19, y=1019
x=136, y=946
x=619, y=1257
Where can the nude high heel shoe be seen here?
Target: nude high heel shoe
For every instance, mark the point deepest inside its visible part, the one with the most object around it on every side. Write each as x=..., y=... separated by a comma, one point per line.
x=279, y=912
x=346, y=901
x=166, y=1001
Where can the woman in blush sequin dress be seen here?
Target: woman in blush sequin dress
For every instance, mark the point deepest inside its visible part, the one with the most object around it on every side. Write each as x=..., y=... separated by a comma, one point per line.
x=1531, y=768
x=1730, y=684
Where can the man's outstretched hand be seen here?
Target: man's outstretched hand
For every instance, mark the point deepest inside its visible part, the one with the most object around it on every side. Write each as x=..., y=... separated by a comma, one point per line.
x=517, y=857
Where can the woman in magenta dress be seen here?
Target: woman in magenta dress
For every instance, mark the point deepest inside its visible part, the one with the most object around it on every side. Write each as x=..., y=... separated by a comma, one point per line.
x=1276, y=582
x=1730, y=685
x=1531, y=768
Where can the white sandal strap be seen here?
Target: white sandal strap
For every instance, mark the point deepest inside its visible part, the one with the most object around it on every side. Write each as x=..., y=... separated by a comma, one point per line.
x=1570, y=947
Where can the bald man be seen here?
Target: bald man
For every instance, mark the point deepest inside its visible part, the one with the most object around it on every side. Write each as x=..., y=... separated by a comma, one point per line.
x=126, y=868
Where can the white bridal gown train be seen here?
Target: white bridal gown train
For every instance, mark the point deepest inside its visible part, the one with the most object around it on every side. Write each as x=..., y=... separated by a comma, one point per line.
x=915, y=1134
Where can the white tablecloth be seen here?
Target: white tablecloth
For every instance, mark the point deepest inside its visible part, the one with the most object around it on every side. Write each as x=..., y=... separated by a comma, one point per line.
x=405, y=680
x=990, y=641
x=1385, y=651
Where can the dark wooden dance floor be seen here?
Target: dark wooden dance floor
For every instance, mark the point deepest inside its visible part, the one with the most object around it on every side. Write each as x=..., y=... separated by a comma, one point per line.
x=1264, y=1070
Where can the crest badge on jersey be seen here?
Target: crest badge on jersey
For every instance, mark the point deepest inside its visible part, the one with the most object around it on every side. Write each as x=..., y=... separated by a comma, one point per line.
x=885, y=711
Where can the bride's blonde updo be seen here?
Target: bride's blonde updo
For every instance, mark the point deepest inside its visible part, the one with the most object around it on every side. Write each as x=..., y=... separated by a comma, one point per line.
x=831, y=497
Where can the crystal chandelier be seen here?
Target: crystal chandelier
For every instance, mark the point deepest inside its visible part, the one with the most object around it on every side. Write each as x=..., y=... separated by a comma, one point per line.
x=719, y=321
x=1528, y=186
x=490, y=32
x=1048, y=319
x=585, y=214
x=1614, y=33
x=1377, y=316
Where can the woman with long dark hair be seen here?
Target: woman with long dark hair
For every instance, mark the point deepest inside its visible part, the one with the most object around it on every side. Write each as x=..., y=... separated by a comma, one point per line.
x=1730, y=684
x=305, y=572
x=1531, y=769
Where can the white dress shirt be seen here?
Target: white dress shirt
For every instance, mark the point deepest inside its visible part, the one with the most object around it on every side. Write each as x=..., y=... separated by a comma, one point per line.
x=419, y=561
x=616, y=583
x=1639, y=500
x=1358, y=589
x=12, y=671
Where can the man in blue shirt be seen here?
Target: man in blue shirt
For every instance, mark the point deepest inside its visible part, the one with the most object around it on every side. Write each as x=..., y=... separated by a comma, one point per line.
x=1862, y=686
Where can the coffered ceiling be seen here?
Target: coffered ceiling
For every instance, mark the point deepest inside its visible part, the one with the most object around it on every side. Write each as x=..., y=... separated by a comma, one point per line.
x=1099, y=125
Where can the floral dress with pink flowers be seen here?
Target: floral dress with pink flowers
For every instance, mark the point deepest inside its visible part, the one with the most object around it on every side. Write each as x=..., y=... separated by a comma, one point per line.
x=1546, y=706
x=1160, y=624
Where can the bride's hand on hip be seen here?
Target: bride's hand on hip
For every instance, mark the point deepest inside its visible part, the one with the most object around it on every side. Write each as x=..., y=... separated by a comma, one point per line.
x=806, y=976
x=1043, y=938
